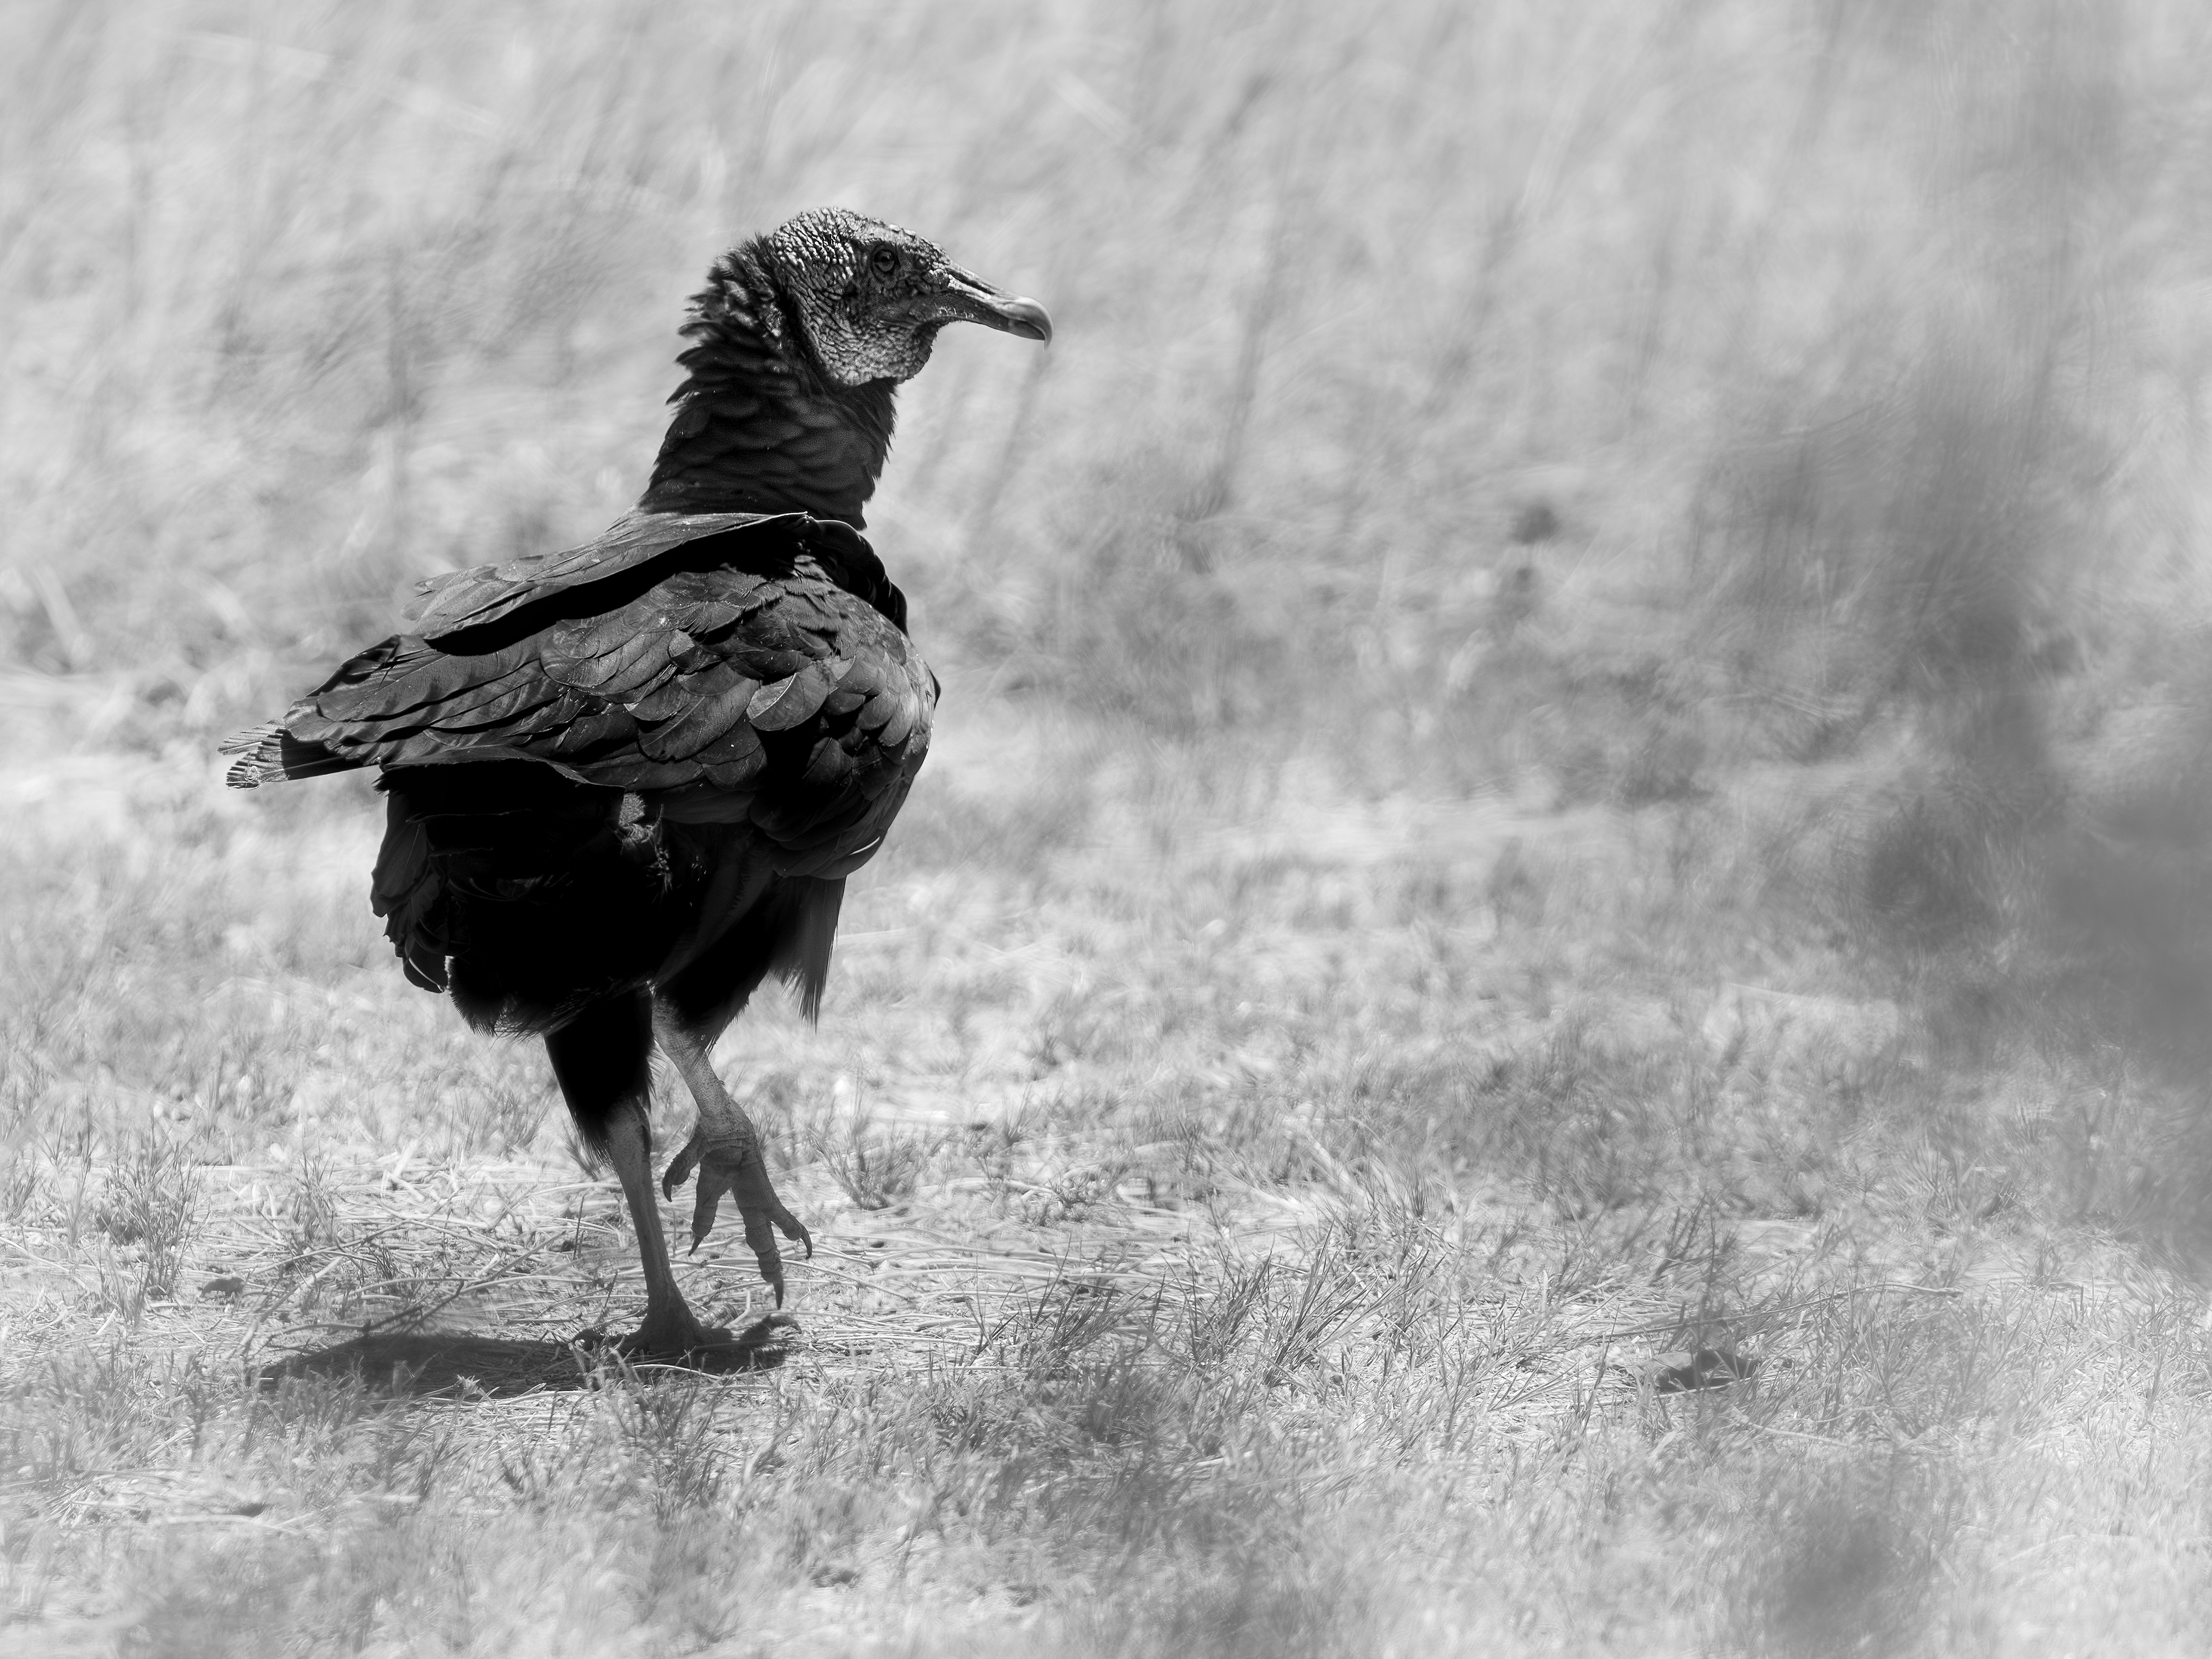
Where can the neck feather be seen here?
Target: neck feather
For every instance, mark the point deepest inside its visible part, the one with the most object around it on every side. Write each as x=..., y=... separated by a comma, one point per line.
x=759, y=427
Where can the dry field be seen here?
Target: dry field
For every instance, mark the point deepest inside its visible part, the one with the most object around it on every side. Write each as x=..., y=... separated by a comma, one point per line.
x=1550, y=991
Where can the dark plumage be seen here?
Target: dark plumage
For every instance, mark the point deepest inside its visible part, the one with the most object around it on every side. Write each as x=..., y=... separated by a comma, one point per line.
x=625, y=783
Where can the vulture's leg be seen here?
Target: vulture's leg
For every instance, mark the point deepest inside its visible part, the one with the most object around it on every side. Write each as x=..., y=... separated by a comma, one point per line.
x=669, y=1327
x=726, y=1150
x=602, y=1058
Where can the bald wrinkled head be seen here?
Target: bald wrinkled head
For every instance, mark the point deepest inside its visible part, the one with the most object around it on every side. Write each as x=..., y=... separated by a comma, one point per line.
x=872, y=296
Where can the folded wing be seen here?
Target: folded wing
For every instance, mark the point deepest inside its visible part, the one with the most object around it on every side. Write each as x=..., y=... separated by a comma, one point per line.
x=757, y=690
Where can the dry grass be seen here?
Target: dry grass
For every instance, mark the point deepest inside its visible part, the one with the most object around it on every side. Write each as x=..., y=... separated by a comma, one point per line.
x=1548, y=990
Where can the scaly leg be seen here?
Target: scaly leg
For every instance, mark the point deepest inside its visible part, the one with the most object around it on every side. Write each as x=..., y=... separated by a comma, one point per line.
x=726, y=1150
x=669, y=1327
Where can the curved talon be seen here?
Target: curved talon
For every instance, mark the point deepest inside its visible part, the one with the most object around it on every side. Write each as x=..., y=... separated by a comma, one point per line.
x=680, y=1167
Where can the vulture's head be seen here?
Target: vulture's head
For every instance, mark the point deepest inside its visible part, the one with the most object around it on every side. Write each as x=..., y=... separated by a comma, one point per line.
x=872, y=296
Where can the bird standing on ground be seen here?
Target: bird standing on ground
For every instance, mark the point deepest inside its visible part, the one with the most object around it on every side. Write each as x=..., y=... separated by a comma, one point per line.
x=626, y=782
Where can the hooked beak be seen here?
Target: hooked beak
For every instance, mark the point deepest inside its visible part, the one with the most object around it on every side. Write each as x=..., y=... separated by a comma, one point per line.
x=970, y=298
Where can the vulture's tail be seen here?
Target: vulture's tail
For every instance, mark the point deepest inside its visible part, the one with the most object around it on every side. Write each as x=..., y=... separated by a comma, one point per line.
x=270, y=754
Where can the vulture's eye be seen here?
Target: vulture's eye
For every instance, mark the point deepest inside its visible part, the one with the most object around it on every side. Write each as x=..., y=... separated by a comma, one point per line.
x=885, y=262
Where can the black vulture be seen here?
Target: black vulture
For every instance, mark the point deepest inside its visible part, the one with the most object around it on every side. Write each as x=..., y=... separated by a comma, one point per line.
x=626, y=782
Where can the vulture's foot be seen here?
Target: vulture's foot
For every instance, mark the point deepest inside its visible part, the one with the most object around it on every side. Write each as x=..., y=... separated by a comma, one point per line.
x=733, y=1164
x=671, y=1334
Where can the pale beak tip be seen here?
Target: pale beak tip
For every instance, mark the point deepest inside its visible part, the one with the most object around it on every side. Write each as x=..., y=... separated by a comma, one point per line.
x=970, y=298
x=1027, y=319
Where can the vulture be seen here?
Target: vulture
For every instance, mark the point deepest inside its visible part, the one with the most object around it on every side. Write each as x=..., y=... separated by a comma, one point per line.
x=626, y=782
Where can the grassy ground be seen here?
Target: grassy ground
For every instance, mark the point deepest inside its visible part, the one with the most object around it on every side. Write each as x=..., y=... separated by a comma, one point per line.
x=1549, y=986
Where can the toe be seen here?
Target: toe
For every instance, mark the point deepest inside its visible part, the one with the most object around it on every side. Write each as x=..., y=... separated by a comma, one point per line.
x=760, y=1238
x=766, y=1256
x=739, y=1174
x=706, y=1203
x=763, y=1220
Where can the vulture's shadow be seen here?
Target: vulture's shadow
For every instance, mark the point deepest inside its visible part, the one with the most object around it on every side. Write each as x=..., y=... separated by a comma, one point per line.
x=460, y=1365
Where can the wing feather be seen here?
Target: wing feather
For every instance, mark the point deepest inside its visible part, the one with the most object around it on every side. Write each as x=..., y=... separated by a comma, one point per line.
x=706, y=719
x=783, y=704
x=902, y=723
x=877, y=712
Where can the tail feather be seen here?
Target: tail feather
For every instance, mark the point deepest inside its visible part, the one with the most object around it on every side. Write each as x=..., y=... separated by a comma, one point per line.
x=805, y=961
x=268, y=754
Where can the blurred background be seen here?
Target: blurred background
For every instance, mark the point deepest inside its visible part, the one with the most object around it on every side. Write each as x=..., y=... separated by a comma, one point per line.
x=1803, y=356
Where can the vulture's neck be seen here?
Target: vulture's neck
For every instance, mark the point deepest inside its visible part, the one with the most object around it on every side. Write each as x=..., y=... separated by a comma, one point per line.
x=759, y=427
